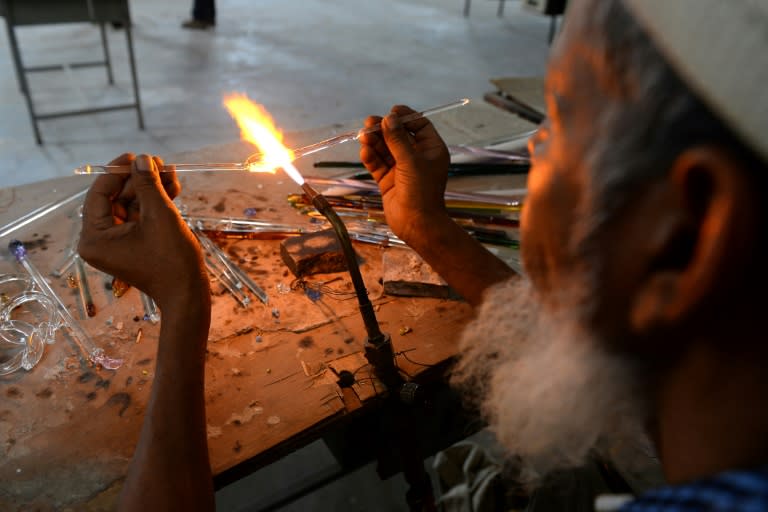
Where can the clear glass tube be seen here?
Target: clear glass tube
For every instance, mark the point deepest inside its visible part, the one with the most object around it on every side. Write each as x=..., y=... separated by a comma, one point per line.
x=355, y=135
x=232, y=270
x=215, y=268
x=231, y=224
x=255, y=289
x=150, y=308
x=512, y=199
x=65, y=265
x=38, y=213
x=126, y=169
x=252, y=162
x=83, y=288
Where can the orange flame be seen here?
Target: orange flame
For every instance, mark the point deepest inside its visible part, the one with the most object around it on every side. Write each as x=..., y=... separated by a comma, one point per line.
x=258, y=128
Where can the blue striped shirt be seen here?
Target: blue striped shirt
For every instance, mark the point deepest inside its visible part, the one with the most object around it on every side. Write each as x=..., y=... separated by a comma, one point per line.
x=737, y=491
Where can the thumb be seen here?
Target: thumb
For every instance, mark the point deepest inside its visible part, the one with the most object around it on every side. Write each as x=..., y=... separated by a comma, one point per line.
x=397, y=138
x=146, y=182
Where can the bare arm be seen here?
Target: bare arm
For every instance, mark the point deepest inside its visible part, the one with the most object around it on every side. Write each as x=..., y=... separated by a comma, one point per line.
x=410, y=164
x=132, y=230
x=461, y=260
x=170, y=468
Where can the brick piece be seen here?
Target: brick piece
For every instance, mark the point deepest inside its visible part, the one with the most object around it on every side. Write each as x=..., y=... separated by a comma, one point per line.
x=313, y=253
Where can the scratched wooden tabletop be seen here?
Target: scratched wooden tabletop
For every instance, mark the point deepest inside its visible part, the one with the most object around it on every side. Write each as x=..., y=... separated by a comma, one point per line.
x=68, y=429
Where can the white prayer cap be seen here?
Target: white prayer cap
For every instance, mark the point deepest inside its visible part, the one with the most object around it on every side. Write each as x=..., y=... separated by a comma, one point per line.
x=720, y=49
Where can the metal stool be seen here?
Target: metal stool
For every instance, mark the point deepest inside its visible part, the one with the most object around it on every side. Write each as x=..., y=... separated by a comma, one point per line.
x=43, y=12
x=551, y=8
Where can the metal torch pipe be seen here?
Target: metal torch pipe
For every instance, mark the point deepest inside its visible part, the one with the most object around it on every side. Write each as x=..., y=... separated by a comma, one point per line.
x=375, y=335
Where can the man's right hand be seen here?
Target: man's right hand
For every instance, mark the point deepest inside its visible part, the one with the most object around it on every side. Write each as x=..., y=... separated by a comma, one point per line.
x=132, y=230
x=410, y=164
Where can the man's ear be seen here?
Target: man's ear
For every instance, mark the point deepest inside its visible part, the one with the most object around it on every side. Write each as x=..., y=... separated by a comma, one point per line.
x=700, y=242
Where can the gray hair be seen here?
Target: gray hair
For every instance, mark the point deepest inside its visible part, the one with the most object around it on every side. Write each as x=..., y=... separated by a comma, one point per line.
x=655, y=118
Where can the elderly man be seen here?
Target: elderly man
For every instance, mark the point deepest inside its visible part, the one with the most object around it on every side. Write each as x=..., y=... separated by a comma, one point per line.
x=643, y=242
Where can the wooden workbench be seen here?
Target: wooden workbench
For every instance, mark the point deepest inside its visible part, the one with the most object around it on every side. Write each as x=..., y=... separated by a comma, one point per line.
x=68, y=430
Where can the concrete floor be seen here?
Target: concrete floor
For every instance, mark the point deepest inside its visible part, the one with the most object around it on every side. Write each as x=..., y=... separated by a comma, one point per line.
x=311, y=63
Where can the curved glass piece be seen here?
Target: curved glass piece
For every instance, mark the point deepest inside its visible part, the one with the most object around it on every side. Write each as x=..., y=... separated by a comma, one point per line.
x=31, y=307
x=21, y=346
x=28, y=321
x=13, y=284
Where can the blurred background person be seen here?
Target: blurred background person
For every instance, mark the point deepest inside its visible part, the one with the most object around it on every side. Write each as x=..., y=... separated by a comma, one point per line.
x=203, y=15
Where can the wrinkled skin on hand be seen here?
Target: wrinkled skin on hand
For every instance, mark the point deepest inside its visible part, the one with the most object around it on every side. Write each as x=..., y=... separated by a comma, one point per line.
x=132, y=230
x=410, y=164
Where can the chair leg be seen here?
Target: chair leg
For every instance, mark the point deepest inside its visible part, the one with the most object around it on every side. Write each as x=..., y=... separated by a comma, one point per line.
x=107, y=59
x=500, y=11
x=134, y=77
x=466, y=7
x=21, y=75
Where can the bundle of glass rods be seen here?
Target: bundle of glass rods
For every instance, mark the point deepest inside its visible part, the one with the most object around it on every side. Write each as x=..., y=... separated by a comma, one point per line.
x=490, y=219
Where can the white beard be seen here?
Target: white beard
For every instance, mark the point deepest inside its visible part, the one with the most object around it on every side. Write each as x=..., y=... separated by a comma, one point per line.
x=550, y=393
